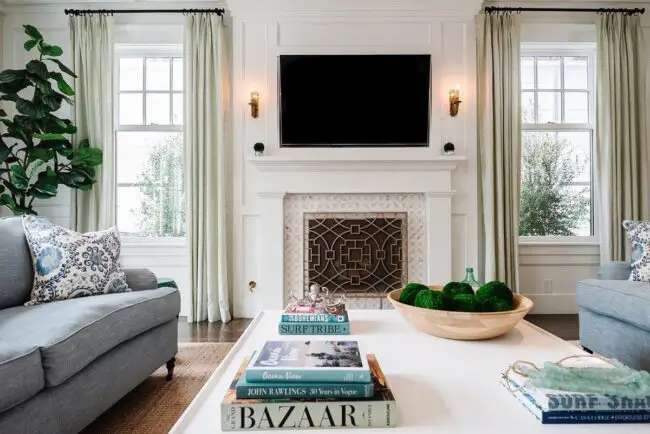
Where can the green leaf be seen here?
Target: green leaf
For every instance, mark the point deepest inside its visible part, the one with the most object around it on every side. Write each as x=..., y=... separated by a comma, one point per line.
x=85, y=143
x=19, y=178
x=30, y=109
x=62, y=67
x=66, y=152
x=87, y=156
x=37, y=68
x=44, y=86
x=62, y=84
x=12, y=75
x=13, y=87
x=30, y=44
x=49, y=136
x=38, y=153
x=55, y=144
x=6, y=200
x=50, y=50
x=5, y=152
x=32, y=32
x=45, y=185
x=55, y=125
x=53, y=101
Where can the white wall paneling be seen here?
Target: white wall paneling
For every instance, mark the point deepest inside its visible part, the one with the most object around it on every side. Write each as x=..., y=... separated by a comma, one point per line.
x=265, y=31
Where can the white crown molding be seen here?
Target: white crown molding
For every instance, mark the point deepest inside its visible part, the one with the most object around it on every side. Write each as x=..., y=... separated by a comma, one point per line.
x=338, y=165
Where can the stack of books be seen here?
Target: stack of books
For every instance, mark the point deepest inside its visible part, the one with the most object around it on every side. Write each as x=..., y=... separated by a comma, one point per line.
x=562, y=407
x=308, y=385
x=308, y=320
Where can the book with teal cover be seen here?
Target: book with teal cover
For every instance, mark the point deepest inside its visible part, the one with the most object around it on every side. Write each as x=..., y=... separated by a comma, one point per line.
x=246, y=390
x=309, y=328
x=309, y=361
x=315, y=317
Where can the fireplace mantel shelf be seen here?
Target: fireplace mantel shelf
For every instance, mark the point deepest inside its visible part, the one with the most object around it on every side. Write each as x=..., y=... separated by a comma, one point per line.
x=284, y=164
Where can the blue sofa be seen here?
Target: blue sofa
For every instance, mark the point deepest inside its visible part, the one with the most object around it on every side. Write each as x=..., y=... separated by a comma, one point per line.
x=62, y=364
x=615, y=315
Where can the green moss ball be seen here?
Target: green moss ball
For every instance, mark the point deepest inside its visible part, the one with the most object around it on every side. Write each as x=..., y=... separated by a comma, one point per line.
x=493, y=304
x=495, y=289
x=430, y=299
x=466, y=303
x=410, y=291
x=453, y=289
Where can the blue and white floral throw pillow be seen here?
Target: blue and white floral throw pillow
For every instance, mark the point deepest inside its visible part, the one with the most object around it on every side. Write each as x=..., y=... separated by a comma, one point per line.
x=638, y=233
x=69, y=264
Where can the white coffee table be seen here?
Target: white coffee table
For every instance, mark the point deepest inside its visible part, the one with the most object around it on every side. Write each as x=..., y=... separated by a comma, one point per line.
x=441, y=386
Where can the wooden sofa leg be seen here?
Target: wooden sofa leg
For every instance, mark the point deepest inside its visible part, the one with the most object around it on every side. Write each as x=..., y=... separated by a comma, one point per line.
x=587, y=350
x=170, y=368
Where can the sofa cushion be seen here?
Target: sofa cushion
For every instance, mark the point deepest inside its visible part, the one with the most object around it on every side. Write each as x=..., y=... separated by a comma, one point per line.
x=638, y=232
x=70, y=264
x=16, y=276
x=620, y=299
x=21, y=373
x=72, y=333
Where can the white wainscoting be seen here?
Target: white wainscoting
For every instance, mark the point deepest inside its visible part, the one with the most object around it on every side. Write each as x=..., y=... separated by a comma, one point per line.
x=561, y=264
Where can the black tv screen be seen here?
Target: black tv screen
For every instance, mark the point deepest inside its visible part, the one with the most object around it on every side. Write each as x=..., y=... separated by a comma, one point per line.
x=354, y=100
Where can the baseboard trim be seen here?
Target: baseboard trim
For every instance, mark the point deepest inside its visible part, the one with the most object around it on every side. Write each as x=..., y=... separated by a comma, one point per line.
x=553, y=303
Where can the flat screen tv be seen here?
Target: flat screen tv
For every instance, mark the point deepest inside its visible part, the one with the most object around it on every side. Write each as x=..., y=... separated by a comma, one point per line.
x=354, y=100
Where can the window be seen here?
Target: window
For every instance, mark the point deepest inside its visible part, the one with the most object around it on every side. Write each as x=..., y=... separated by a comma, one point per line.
x=149, y=138
x=557, y=102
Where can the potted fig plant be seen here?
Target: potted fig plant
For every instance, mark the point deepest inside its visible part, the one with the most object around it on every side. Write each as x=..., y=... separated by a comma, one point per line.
x=36, y=151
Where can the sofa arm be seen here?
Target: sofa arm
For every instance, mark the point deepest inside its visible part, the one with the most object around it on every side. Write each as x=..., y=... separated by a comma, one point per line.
x=139, y=279
x=615, y=270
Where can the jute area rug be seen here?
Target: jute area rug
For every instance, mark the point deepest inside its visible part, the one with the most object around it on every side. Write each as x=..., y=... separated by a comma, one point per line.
x=154, y=406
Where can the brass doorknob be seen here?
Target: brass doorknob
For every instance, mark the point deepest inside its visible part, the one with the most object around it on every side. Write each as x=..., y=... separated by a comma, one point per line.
x=252, y=285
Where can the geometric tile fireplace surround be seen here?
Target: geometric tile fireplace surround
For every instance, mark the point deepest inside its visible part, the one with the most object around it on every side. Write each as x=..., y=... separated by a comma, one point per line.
x=389, y=218
x=293, y=188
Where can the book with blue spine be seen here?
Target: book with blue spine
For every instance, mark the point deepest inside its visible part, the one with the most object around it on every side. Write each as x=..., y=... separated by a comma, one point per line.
x=307, y=328
x=573, y=416
x=246, y=390
x=309, y=361
x=315, y=317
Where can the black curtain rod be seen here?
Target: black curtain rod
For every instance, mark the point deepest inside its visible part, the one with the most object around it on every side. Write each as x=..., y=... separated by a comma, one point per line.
x=635, y=11
x=77, y=12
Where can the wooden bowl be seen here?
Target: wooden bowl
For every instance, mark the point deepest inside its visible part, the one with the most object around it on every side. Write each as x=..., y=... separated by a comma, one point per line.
x=465, y=326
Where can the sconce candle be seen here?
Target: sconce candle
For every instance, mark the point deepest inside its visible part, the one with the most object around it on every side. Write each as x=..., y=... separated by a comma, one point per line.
x=255, y=103
x=454, y=100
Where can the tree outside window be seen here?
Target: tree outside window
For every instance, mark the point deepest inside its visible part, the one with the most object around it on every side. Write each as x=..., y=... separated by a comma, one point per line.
x=556, y=181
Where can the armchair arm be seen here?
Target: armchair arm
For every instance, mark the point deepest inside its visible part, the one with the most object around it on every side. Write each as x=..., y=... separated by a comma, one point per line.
x=139, y=279
x=615, y=270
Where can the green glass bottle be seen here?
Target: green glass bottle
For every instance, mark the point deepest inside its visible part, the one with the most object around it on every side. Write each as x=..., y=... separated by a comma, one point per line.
x=470, y=279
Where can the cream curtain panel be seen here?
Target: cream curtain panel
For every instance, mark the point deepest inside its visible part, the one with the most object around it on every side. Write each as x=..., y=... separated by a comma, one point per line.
x=206, y=165
x=499, y=147
x=92, y=61
x=622, y=162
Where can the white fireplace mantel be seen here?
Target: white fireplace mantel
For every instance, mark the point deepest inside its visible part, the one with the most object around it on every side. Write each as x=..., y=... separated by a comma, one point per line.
x=279, y=176
x=372, y=164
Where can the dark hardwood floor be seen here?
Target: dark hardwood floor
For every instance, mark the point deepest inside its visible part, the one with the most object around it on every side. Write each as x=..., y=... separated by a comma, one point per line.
x=211, y=332
x=563, y=326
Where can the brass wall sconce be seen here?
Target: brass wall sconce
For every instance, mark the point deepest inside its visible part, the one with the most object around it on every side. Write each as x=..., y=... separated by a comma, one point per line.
x=454, y=100
x=255, y=104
